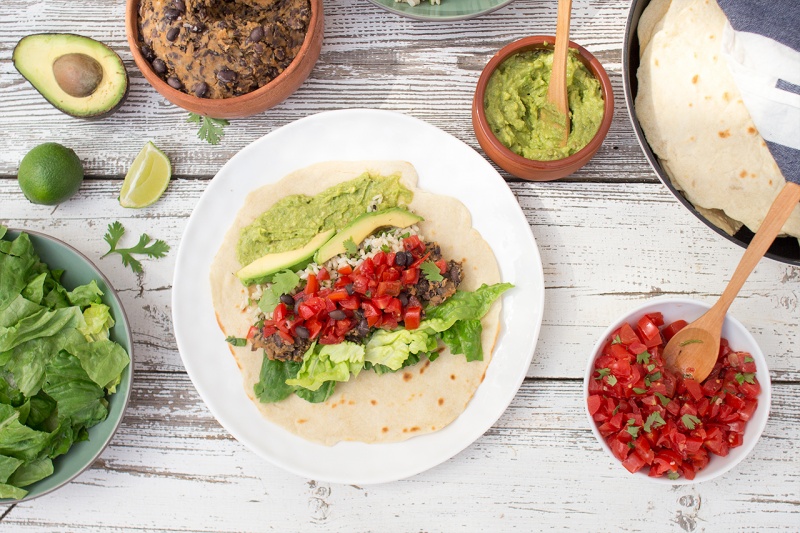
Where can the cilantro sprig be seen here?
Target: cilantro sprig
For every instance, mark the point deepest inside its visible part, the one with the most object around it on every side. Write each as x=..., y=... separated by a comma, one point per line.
x=211, y=129
x=431, y=271
x=157, y=249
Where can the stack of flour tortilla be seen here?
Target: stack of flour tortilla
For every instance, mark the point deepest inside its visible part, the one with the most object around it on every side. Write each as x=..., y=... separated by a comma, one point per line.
x=695, y=121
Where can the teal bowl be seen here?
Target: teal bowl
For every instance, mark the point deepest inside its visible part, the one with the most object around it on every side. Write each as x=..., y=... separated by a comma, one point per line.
x=78, y=270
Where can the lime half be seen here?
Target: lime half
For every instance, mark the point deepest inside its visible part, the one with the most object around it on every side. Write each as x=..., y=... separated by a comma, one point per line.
x=147, y=179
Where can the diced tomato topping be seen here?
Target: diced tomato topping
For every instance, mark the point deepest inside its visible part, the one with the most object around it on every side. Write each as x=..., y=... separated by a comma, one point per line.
x=323, y=274
x=280, y=312
x=410, y=276
x=312, y=285
x=252, y=332
x=442, y=264
x=345, y=270
x=652, y=419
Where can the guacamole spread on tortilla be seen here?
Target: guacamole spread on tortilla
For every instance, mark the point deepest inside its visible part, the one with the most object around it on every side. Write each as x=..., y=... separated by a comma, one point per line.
x=516, y=96
x=295, y=219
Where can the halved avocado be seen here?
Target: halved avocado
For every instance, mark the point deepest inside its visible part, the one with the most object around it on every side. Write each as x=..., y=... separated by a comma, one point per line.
x=78, y=75
x=262, y=268
x=363, y=227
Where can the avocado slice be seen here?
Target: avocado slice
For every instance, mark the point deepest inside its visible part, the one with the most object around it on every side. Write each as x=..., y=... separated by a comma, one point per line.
x=363, y=227
x=262, y=268
x=78, y=75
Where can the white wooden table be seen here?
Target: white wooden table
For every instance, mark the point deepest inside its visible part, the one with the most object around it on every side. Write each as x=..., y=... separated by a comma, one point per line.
x=610, y=236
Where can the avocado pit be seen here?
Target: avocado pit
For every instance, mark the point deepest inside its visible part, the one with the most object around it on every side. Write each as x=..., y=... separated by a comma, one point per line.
x=77, y=74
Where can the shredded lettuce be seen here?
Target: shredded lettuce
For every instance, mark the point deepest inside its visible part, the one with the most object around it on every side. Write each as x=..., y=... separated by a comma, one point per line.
x=328, y=362
x=57, y=365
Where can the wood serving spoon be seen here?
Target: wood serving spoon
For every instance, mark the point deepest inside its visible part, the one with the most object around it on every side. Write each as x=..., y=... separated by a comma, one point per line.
x=557, y=89
x=693, y=351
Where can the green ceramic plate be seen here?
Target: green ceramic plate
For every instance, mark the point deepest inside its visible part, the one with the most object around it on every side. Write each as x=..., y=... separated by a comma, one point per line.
x=447, y=10
x=78, y=270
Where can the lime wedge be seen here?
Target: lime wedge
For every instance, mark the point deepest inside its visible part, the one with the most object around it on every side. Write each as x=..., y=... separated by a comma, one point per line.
x=147, y=179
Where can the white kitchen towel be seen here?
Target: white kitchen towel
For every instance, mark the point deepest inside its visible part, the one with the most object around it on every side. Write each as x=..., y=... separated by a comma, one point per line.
x=761, y=43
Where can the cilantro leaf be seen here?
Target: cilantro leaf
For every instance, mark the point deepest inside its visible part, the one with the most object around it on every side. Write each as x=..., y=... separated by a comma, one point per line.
x=673, y=475
x=690, y=421
x=211, y=129
x=385, y=248
x=747, y=376
x=653, y=421
x=350, y=246
x=748, y=359
x=431, y=271
x=637, y=390
x=611, y=380
x=633, y=430
x=602, y=372
x=282, y=283
x=664, y=400
x=236, y=341
x=643, y=358
x=616, y=340
x=157, y=249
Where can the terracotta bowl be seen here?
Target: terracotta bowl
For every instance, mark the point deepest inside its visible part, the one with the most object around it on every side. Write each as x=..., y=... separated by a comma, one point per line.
x=517, y=165
x=263, y=98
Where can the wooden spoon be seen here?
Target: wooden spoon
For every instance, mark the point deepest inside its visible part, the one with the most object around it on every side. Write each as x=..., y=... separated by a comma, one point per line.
x=693, y=351
x=557, y=89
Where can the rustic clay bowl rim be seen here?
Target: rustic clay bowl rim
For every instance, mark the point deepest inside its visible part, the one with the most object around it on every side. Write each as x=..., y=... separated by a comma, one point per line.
x=541, y=42
x=218, y=107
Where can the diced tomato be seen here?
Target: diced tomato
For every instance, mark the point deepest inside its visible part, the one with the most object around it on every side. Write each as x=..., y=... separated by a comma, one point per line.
x=648, y=331
x=412, y=243
x=673, y=328
x=442, y=264
x=382, y=302
x=351, y=303
x=410, y=276
x=251, y=333
x=694, y=388
x=286, y=337
x=345, y=270
x=312, y=285
x=627, y=335
x=279, y=314
x=314, y=327
x=360, y=284
x=323, y=274
x=687, y=421
x=391, y=288
x=370, y=309
x=338, y=295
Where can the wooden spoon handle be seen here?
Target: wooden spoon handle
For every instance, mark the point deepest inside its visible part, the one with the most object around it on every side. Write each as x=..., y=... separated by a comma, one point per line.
x=778, y=213
x=557, y=90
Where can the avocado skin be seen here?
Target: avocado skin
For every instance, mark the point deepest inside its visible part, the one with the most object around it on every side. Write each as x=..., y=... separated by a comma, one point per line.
x=101, y=111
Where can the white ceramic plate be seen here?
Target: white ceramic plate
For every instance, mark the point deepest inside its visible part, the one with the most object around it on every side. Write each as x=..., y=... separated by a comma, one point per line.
x=445, y=166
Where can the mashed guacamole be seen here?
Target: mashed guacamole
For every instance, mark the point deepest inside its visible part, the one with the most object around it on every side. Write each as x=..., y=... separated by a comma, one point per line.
x=294, y=220
x=516, y=95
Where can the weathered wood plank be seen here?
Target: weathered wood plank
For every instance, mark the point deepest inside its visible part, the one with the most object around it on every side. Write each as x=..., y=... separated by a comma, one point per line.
x=171, y=467
x=589, y=281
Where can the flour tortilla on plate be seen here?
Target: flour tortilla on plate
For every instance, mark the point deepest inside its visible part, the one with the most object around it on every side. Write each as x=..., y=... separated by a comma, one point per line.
x=369, y=408
x=695, y=121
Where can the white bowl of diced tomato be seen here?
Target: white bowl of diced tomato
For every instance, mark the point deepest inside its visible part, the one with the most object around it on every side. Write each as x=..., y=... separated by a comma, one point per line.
x=661, y=426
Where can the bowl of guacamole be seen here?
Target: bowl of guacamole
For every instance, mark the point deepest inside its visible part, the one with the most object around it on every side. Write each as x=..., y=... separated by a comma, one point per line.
x=510, y=104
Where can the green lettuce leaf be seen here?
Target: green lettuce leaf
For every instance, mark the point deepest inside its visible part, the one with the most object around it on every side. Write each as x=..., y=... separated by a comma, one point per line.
x=10, y=491
x=465, y=338
x=28, y=360
x=271, y=386
x=103, y=360
x=77, y=397
x=329, y=362
x=41, y=324
x=98, y=322
x=392, y=348
x=7, y=467
x=17, y=440
x=463, y=306
x=317, y=396
x=17, y=259
x=85, y=295
x=34, y=291
x=19, y=308
x=31, y=472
